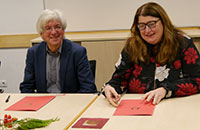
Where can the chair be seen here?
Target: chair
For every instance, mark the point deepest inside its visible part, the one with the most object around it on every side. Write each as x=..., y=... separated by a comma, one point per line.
x=93, y=67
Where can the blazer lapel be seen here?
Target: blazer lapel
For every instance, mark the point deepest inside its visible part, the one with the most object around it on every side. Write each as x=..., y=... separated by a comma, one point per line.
x=64, y=61
x=42, y=66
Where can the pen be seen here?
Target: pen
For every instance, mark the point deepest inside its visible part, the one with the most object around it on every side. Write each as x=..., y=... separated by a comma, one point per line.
x=8, y=98
x=101, y=91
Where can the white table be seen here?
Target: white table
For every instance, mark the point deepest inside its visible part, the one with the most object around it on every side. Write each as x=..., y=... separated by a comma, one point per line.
x=65, y=107
x=170, y=114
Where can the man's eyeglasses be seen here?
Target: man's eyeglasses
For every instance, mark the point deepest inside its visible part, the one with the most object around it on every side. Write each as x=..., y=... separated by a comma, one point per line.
x=150, y=24
x=49, y=29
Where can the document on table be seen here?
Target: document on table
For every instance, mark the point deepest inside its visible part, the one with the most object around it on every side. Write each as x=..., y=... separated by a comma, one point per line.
x=96, y=123
x=30, y=103
x=131, y=107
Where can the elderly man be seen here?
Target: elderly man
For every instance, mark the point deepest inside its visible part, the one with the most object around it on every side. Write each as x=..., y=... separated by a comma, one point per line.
x=56, y=65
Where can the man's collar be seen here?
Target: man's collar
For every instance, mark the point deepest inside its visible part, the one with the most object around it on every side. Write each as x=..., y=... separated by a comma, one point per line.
x=57, y=52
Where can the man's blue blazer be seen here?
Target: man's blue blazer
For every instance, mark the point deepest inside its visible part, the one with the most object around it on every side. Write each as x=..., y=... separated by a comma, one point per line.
x=75, y=72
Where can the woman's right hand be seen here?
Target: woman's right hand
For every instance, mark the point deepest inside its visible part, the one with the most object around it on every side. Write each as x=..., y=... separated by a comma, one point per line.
x=112, y=96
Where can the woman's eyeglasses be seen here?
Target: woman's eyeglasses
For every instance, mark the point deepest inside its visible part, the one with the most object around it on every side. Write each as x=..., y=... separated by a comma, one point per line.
x=150, y=24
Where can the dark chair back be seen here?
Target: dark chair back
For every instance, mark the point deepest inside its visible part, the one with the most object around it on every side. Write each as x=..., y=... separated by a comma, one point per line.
x=93, y=67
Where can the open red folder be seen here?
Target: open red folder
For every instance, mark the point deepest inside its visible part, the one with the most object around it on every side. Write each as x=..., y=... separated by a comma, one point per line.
x=132, y=107
x=30, y=103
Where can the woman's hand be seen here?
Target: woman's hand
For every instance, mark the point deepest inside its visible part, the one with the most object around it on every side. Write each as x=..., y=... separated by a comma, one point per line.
x=156, y=95
x=112, y=96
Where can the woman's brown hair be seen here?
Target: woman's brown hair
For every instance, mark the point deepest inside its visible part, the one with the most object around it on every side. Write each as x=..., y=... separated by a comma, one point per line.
x=166, y=50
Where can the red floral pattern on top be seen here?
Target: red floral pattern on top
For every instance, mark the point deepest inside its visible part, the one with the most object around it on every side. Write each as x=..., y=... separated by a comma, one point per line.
x=177, y=64
x=186, y=89
x=136, y=86
x=128, y=73
x=183, y=74
x=191, y=56
x=158, y=65
x=124, y=83
x=116, y=76
x=183, y=50
x=152, y=60
x=198, y=81
x=137, y=70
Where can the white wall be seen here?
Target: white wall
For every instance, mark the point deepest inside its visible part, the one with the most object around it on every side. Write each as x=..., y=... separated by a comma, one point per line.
x=87, y=15
x=12, y=68
x=19, y=16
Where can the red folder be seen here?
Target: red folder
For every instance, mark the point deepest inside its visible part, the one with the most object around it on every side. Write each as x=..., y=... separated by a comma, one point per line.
x=30, y=103
x=134, y=107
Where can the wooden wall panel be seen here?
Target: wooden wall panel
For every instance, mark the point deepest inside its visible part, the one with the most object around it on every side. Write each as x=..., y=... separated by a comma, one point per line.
x=106, y=54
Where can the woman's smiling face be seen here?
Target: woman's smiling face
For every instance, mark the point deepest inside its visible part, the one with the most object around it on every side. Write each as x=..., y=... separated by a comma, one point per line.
x=151, y=29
